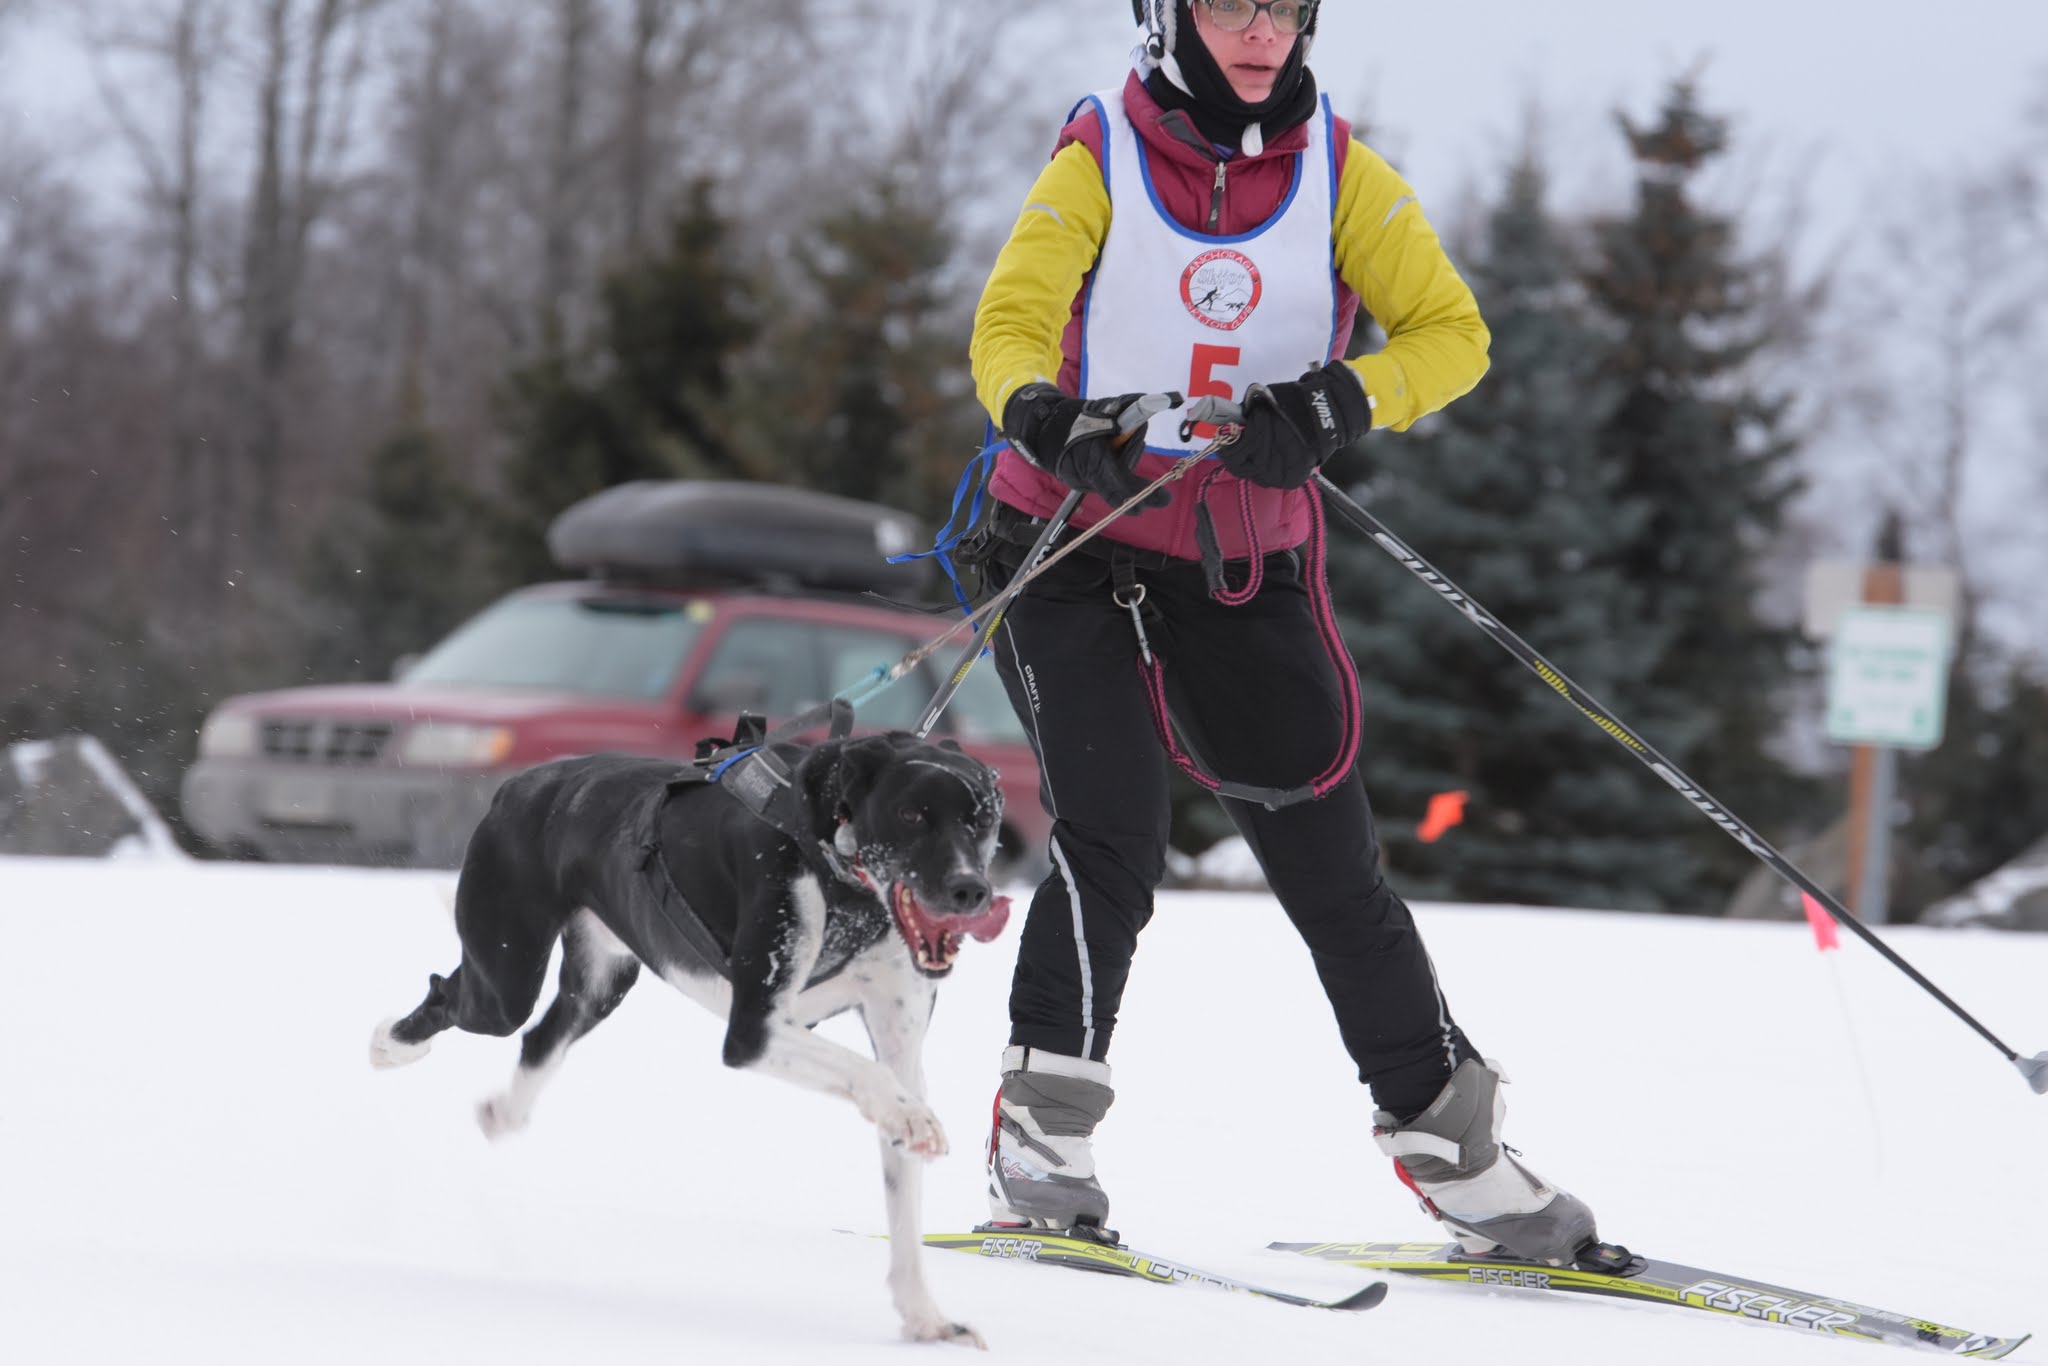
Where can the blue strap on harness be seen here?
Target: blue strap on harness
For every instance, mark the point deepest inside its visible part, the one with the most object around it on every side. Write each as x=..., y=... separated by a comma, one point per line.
x=974, y=477
x=718, y=770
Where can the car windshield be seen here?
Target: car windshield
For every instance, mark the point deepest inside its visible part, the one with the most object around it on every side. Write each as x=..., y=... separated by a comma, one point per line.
x=611, y=646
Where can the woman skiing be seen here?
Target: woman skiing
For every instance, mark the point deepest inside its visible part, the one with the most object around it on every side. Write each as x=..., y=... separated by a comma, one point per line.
x=1211, y=228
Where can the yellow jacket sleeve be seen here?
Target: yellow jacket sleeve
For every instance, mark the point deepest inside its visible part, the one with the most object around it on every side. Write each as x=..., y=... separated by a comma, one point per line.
x=1388, y=252
x=1030, y=294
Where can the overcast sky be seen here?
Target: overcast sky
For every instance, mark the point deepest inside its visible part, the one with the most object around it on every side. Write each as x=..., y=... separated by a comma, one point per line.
x=1841, y=92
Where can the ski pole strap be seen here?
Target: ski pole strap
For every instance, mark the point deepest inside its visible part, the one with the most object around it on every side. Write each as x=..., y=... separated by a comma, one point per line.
x=973, y=478
x=972, y=487
x=978, y=646
x=1129, y=593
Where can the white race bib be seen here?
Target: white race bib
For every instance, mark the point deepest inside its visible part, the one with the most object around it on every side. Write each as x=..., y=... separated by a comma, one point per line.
x=1172, y=309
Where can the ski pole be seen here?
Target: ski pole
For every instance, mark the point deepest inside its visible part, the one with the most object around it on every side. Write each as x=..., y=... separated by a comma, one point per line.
x=2034, y=1069
x=1131, y=426
x=968, y=656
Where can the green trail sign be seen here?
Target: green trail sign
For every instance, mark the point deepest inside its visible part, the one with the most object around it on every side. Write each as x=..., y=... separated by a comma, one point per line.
x=1888, y=677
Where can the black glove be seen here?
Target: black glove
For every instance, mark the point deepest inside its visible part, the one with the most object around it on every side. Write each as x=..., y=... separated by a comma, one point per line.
x=1075, y=440
x=1291, y=429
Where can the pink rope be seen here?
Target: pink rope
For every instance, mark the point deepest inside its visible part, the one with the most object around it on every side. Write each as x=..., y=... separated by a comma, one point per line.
x=1154, y=673
x=1238, y=597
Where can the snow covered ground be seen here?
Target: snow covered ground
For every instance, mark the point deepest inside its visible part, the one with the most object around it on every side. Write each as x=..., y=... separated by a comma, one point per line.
x=197, y=1163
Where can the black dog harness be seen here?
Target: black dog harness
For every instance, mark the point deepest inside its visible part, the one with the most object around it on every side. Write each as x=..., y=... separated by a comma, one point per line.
x=758, y=775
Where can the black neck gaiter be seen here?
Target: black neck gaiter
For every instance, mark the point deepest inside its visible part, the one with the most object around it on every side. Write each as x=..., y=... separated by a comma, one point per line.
x=1216, y=109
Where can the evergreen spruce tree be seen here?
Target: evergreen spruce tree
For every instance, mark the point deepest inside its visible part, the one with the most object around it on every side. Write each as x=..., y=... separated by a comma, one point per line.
x=1697, y=443
x=1978, y=800
x=886, y=411
x=399, y=568
x=1506, y=492
x=649, y=398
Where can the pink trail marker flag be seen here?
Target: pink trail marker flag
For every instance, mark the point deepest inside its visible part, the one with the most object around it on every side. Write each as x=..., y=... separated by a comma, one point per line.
x=1824, y=935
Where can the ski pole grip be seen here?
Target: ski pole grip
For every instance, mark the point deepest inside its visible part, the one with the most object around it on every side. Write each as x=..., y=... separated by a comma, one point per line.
x=1217, y=412
x=2035, y=1070
x=1139, y=415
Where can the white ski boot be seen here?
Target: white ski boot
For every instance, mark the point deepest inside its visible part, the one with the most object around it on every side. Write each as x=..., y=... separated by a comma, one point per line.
x=1451, y=1156
x=1041, y=1167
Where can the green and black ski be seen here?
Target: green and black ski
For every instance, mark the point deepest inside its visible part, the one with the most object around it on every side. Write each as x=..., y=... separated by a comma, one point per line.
x=1616, y=1273
x=1088, y=1254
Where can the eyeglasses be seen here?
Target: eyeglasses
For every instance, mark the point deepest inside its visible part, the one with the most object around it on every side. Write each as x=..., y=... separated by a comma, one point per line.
x=1235, y=16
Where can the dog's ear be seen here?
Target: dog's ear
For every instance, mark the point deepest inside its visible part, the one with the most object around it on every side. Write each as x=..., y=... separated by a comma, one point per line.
x=848, y=771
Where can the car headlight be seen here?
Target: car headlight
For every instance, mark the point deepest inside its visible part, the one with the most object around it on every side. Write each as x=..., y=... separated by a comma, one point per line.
x=452, y=744
x=228, y=735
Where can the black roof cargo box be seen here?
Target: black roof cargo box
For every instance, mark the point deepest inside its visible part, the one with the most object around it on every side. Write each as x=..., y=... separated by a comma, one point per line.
x=691, y=532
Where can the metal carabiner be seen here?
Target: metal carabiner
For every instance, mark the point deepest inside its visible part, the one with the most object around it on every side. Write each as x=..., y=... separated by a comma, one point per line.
x=1131, y=604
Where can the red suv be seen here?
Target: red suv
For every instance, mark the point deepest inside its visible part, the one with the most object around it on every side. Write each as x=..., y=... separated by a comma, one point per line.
x=633, y=659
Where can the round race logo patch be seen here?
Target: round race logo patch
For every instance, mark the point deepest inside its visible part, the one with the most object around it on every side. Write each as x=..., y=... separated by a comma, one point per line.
x=1221, y=288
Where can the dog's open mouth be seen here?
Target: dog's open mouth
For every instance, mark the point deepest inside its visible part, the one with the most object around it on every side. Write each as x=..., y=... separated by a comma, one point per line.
x=934, y=940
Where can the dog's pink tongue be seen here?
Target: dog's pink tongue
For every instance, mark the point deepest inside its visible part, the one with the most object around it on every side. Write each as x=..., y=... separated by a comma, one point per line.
x=990, y=922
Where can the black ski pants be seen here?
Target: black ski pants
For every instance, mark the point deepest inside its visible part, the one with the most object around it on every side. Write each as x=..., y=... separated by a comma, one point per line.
x=1253, y=692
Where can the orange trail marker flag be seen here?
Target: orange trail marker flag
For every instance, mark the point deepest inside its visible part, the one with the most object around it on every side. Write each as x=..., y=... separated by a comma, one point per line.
x=1446, y=809
x=1823, y=924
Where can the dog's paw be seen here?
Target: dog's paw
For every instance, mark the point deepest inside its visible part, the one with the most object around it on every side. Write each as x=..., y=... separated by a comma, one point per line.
x=500, y=1115
x=934, y=1328
x=387, y=1052
x=911, y=1124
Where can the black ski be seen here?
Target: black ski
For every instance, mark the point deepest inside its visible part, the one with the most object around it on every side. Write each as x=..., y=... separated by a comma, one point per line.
x=1616, y=1273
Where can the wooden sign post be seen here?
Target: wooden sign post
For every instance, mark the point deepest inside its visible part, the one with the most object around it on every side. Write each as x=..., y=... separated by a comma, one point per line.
x=1888, y=626
x=1873, y=779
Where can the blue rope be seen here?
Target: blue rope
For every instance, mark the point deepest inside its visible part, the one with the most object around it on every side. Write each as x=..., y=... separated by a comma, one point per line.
x=974, y=477
x=719, y=771
x=860, y=691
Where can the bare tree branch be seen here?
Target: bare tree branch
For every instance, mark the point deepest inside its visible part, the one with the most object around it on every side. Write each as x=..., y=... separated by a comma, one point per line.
x=575, y=21
x=1942, y=318
x=290, y=192
x=651, y=19
x=180, y=47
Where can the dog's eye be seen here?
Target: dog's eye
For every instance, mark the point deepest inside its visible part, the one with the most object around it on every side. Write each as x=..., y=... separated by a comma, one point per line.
x=910, y=815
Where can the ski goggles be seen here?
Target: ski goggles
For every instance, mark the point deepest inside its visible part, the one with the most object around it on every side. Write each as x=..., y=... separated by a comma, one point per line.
x=1235, y=16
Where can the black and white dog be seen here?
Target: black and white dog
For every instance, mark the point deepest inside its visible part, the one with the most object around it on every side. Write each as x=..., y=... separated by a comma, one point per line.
x=849, y=886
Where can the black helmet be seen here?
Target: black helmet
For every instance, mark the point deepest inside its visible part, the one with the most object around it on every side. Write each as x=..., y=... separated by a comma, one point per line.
x=1156, y=17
